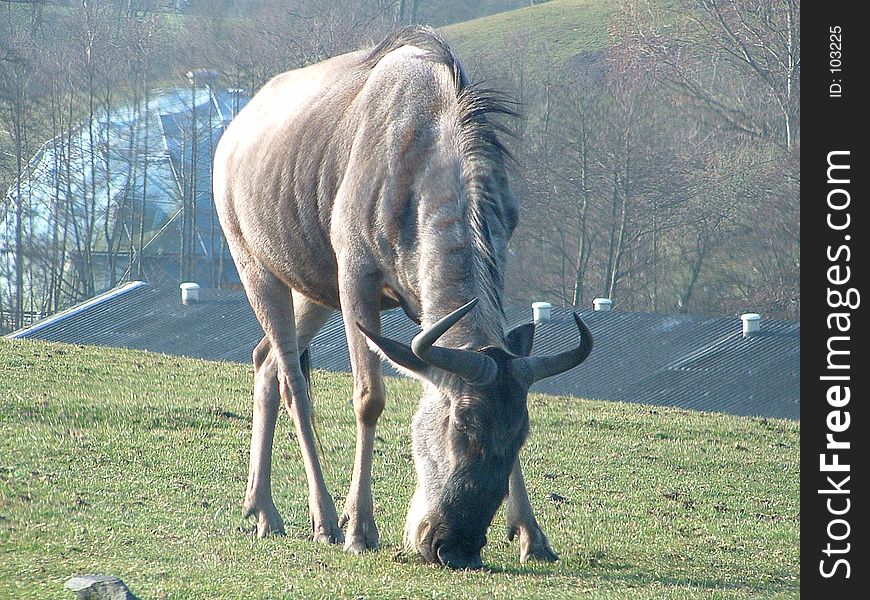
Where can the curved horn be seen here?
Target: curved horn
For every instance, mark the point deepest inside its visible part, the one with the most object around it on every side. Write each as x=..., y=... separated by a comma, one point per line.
x=397, y=352
x=473, y=367
x=541, y=367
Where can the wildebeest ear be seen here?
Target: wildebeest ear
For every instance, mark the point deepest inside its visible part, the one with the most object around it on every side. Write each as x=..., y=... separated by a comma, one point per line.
x=520, y=339
x=398, y=354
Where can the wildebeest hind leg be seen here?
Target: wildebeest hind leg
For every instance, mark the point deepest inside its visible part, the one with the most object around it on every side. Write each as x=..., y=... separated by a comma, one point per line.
x=273, y=305
x=258, y=497
x=310, y=317
x=521, y=520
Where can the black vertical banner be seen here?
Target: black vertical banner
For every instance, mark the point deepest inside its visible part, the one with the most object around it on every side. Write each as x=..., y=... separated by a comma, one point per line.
x=834, y=263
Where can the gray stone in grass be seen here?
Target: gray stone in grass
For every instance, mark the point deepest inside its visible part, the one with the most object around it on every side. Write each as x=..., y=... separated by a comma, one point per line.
x=99, y=587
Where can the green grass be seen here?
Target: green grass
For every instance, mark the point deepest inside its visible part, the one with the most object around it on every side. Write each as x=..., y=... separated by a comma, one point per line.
x=135, y=464
x=554, y=31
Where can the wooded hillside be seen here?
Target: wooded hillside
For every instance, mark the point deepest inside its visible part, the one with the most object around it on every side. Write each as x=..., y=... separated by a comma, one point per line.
x=657, y=162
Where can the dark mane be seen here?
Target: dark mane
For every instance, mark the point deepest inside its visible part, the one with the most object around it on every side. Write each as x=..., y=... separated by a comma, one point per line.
x=424, y=38
x=482, y=149
x=476, y=102
x=484, y=154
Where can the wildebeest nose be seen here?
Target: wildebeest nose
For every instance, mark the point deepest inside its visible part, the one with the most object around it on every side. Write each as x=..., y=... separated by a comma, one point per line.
x=454, y=558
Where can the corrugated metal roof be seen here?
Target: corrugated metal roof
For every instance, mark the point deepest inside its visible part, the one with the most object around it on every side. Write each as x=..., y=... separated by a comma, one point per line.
x=686, y=361
x=221, y=327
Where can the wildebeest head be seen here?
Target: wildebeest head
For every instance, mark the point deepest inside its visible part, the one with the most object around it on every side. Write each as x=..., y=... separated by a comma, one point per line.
x=468, y=431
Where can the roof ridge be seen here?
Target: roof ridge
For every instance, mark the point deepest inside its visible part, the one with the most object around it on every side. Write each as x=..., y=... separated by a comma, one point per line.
x=76, y=309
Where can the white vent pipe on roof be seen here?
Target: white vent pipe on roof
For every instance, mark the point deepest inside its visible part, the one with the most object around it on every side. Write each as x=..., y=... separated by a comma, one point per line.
x=542, y=312
x=189, y=293
x=602, y=303
x=751, y=323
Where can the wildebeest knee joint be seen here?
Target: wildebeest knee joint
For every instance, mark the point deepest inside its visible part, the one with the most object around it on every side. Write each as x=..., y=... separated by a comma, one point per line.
x=368, y=405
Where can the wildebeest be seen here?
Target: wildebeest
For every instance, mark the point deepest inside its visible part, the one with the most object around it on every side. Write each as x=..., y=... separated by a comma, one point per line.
x=372, y=180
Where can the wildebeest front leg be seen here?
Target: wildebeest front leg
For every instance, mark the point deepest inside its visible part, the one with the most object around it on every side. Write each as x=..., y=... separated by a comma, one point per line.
x=521, y=519
x=360, y=303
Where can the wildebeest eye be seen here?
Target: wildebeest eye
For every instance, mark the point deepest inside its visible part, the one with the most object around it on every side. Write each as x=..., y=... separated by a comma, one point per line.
x=461, y=413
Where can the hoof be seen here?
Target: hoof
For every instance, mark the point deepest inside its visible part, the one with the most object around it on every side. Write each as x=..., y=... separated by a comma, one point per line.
x=269, y=521
x=534, y=545
x=362, y=535
x=327, y=533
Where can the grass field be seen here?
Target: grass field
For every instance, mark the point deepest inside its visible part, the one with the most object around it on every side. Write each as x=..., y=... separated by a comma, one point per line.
x=135, y=464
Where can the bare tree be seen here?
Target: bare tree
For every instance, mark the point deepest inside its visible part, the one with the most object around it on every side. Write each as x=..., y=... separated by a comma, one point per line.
x=17, y=65
x=738, y=59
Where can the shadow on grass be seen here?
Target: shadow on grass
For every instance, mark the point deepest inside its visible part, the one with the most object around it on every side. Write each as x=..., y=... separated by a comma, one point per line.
x=594, y=569
x=777, y=584
x=628, y=577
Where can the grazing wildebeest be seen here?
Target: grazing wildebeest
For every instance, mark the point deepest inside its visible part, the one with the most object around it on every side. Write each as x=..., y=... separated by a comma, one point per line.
x=372, y=180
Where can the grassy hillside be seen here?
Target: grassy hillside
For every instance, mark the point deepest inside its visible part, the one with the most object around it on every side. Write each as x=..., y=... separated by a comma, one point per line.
x=135, y=463
x=562, y=27
x=456, y=11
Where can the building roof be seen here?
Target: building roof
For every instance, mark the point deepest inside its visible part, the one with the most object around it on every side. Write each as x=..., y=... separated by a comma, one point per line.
x=685, y=361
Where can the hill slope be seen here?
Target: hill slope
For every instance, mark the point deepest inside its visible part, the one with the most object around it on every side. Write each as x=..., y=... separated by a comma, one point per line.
x=456, y=11
x=563, y=28
x=135, y=463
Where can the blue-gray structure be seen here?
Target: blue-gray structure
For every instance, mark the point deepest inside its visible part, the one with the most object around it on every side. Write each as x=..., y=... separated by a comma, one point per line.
x=691, y=362
x=91, y=189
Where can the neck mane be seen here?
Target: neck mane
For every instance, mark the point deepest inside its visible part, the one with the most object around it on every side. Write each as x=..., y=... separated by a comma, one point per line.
x=466, y=211
x=471, y=220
